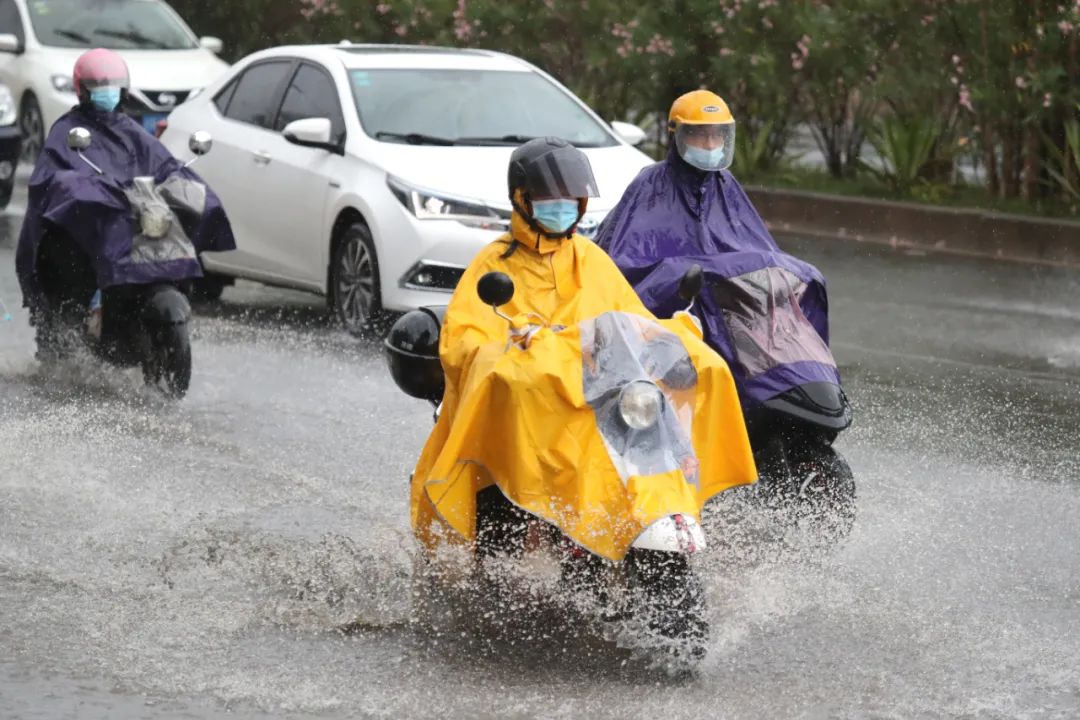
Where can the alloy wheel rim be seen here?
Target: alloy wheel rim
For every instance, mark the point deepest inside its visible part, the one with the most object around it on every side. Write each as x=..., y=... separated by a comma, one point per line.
x=32, y=133
x=356, y=284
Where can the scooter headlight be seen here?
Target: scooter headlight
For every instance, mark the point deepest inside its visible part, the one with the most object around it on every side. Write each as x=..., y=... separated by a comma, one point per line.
x=640, y=404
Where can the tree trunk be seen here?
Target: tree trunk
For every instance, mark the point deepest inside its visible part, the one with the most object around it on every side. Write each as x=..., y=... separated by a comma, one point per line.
x=993, y=183
x=1032, y=162
x=1010, y=168
x=988, y=129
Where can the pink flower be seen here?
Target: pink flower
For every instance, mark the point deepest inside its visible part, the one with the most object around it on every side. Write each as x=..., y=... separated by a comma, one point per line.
x=1047, y=98
x=1065, y=27
x=964, y=98
x=382, y=8
x=462, y=28
x=1021, y=82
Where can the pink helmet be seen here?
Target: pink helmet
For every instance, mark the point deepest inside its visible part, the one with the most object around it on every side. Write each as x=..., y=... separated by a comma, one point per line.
x=99, y=68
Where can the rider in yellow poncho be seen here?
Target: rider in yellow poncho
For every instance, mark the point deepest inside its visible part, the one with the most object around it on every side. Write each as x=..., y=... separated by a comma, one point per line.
x=516, y=414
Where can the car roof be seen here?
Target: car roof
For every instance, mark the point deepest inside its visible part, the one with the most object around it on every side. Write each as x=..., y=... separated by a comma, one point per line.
x=372, y=56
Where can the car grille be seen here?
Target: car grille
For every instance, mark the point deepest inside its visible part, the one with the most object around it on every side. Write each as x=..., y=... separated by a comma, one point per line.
x=158, y=101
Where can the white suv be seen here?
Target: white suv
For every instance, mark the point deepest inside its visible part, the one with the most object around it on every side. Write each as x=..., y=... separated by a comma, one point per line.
x=40, y=40
x=373, y=173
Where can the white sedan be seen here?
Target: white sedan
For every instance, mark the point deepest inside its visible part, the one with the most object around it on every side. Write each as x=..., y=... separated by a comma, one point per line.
x=372, y=174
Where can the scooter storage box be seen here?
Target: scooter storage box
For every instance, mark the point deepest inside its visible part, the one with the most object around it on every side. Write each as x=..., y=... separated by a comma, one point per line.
x=412, y=353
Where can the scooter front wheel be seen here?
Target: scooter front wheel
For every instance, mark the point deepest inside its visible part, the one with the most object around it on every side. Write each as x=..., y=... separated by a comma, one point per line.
x=166, y=364
x=670, y=598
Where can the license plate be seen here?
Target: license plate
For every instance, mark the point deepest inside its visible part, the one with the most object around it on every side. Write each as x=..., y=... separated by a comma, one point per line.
x=149, y=122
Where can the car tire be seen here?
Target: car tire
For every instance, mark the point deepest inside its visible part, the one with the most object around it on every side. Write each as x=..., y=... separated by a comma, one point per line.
x=209, y=287
x=355, y=293
x=7, y=188
x=32, y=125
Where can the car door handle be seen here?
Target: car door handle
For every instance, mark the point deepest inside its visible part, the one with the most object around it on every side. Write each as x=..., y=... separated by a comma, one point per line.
x=261, y=157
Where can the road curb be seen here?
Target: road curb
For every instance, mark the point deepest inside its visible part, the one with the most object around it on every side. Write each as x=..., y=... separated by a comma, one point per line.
x=957, y=231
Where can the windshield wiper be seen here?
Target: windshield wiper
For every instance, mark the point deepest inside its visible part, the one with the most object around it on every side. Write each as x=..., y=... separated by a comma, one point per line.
x=415, y=138
x=501, y=140
x=513, y=140
x=134, y=37
x=72, y=35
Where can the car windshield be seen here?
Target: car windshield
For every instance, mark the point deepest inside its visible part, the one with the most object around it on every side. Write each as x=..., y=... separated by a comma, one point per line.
x=470, y=107
x=116, y=24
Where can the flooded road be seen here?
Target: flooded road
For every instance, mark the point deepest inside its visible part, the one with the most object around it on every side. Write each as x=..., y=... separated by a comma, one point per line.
x=196, y=560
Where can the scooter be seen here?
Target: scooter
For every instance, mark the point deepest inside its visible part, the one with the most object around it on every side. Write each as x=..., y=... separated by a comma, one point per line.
x=128, y=325
x=655, y=582
x=792, y=431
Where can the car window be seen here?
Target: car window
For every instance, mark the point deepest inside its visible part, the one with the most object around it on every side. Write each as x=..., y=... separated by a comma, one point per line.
x=311, y=94
x=255, y=97
x=224, y=96
x=10, y=22
x=479, y=107
x=116, y=24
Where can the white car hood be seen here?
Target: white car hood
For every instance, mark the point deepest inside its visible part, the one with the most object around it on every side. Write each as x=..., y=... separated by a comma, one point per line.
x=479, y=173
x=153, y=69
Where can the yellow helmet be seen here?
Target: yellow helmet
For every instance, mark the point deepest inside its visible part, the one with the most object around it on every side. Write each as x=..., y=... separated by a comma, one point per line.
x=699, y=107
x=703, y=130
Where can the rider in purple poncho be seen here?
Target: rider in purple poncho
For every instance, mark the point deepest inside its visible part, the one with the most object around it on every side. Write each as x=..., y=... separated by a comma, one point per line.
x=78, y=233
x=764, y=311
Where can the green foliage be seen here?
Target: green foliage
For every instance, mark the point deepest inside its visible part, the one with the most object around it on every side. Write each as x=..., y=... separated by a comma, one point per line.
x=905, y=146
x=990, y=71
x=1066, y=161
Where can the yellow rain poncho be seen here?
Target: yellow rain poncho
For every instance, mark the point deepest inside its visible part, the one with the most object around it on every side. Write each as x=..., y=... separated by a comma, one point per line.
x=520, y=418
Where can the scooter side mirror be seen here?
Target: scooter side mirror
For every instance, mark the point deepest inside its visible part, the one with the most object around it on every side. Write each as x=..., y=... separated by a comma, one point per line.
x=78, y=138
x=200, y=142
x=495, y=288
x=690, y=285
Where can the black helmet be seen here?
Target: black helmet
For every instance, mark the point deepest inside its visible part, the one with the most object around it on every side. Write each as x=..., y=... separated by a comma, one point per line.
x=551, y=168
x=546, y=168
x=412, y=353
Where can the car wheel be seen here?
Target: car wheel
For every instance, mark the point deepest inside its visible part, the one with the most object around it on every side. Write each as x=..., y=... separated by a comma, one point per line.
x=7, y=187
x=354, y=281
x=32, y=125
x=209, y=287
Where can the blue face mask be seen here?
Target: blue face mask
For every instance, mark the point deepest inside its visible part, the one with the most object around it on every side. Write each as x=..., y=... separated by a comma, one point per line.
x=704, y=159
x=105, y=98
x=556, y=216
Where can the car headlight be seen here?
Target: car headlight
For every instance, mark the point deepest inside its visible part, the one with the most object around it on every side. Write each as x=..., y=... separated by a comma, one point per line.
x=8, y=112
x=429, y=205
x=640, y=404
x=63, y=83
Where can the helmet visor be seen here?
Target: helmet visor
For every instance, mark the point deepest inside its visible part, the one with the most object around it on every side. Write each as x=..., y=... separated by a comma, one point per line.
x=706, y=147
x=561, y=173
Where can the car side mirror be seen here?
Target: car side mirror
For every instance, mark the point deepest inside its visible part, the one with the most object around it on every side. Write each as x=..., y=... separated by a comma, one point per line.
x=10, y=44
x=211, y=43
x=78, y=139
x=311, y=132
x=690, y=285
x=628, y=132
x=495, y=288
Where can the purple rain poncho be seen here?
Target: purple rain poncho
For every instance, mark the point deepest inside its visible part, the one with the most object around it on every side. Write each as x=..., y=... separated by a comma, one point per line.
x=763, y=310
x=94, y=210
